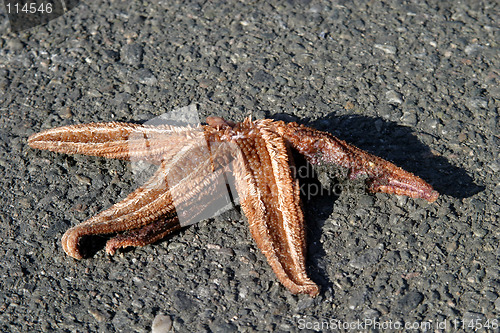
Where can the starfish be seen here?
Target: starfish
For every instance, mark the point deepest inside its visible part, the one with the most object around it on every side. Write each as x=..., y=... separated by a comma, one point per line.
x=191, y=158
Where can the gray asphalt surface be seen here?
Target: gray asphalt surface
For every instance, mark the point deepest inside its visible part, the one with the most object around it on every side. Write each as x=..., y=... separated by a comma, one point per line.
x=414, y=82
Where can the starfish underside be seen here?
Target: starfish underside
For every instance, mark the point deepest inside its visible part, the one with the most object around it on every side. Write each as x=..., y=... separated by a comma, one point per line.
x=191, y=159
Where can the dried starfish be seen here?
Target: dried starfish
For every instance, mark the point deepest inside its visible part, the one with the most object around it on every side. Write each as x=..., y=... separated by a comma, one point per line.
x=255, y=152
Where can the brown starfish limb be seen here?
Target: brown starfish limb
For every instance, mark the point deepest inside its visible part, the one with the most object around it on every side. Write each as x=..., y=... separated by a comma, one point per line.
x=270, y=199
x=382, y=176
x=145, y=235
x=117, y=140
x=144, y=205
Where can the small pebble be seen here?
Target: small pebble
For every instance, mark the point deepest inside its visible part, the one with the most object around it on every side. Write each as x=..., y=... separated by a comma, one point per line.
x=145, y=76
x=393, y=97
x=386, y=48
x=161, y=324
x=132, y=54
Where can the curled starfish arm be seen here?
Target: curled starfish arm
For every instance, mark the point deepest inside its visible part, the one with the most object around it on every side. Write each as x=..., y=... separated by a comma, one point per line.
x=143, y=206
x=270, y=199
x=382, y=176
x=116, y=140
x=145, y=235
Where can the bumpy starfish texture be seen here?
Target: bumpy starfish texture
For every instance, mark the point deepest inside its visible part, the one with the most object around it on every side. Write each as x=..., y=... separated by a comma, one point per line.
x=256, y=153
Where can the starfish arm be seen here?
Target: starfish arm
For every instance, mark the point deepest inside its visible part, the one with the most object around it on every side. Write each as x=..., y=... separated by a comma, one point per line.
x=145, y=235
x=270, y=199
x=117, y=140
x=146, y=204
x=382, y=176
